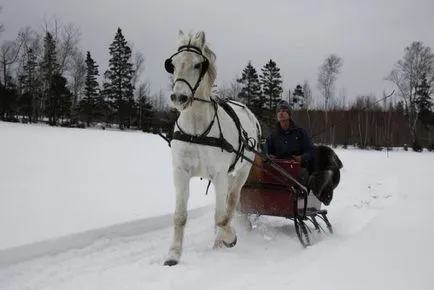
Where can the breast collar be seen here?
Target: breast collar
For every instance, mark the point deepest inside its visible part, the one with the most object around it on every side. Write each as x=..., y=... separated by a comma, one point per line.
x=220, y=141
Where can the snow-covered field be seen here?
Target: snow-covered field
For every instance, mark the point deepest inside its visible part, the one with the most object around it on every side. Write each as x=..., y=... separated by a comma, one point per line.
x=90, y=209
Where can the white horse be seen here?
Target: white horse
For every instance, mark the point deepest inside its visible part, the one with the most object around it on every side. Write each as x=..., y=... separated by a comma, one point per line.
x=203, y=136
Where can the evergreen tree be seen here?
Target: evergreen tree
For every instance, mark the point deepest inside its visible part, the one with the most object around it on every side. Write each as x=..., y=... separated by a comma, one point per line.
x=63, y=97
x=30, y=99
x=298, y=101
x=8, y=100
x=49, y=65
x=90, y=101
x=51, y=78
x=144, y=109
x=119, y=89
x=271, y=83
x=424, y=101
x=251, y=88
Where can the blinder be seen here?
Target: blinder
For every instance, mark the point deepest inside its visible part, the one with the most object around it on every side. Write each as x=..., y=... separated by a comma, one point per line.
x=204, y=65
x=168, y=65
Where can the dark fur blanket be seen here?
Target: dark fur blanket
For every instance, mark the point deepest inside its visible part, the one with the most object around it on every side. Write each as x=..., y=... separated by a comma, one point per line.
x=324, y=173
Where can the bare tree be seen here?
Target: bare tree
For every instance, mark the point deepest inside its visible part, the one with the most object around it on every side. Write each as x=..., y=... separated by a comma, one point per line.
x=138, y=67
x=144, y=104
x=78, y=76
x=67, y=37
x=407, y=76
x=1, y=24
x=68, y=46
x=30, y=40
x=363, y=107
x=307, y=95
x=223, y=91
x=327, y=77
x=340, y=101
x=9, y=52
x=144, y=89
x=53, y=26
x=28, y=75
x=159, y=102
x=230, y=91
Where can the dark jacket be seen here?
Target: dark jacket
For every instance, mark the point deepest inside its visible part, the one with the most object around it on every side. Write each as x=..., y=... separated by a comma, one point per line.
x=293, y=141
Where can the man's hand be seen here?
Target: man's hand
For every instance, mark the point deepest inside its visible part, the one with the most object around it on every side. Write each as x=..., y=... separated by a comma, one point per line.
x=297, y=158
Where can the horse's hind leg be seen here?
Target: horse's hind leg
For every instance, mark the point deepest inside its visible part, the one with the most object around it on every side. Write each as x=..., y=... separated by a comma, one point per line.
x=242, y=219
x=182, y=187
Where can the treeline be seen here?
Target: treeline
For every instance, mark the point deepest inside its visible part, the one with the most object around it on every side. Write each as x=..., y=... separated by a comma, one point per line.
x=45, y=76
x=372, y=127
x=367, y=122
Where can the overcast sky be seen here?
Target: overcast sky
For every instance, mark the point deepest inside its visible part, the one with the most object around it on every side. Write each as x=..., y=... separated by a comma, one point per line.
x=370, y=35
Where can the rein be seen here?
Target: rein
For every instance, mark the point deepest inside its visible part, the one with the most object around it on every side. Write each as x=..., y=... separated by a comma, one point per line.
x=244, y=141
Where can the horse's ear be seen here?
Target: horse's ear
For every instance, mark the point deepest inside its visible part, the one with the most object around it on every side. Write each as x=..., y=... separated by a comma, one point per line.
x=201, y=38
x=180, y=35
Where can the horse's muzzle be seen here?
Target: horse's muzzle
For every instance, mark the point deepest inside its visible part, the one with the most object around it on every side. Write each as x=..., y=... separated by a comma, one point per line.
x=180, y=99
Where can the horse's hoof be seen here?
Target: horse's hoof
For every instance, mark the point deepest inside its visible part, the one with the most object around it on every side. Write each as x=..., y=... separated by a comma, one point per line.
x=170, y=262
x=232, y=244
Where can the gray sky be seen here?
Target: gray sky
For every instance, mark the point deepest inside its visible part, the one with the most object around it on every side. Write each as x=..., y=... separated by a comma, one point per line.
x=369, y=35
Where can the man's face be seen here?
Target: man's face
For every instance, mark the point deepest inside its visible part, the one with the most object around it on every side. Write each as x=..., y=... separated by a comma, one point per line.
x=282, y=115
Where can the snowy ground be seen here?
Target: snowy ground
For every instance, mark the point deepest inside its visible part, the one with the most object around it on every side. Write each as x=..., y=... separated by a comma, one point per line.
x=90, y=209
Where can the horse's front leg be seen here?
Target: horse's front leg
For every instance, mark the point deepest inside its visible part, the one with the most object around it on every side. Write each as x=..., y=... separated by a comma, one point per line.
x=182, y=187
x=225, y=235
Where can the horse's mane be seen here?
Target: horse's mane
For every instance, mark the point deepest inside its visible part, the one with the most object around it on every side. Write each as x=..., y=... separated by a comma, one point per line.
x=208, y=53
x=212, y=70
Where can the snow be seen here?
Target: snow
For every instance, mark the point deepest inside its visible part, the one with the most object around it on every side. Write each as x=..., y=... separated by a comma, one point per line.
x=57, y=181
x=91, y=209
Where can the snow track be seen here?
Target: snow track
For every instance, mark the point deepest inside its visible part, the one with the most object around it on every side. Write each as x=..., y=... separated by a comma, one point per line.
x=381, y=215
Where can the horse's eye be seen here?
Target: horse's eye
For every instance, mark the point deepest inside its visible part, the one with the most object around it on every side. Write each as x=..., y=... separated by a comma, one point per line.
x=197, y=66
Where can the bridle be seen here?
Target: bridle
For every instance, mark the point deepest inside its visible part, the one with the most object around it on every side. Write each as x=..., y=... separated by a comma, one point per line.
x=203, y=138
x=168, y=65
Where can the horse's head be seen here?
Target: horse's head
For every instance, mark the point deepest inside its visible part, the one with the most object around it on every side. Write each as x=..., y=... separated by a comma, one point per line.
x=193, y=70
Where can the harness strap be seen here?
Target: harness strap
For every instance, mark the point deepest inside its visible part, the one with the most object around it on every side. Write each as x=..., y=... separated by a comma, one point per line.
x=204, y=140
x=220, y=141
x=207, y=130
x=241, y=142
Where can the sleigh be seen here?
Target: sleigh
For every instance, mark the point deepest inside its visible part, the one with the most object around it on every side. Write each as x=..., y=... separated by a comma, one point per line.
x=273, y=189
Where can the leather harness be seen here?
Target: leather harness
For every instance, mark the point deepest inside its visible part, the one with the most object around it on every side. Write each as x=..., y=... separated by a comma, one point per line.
x=220, y=141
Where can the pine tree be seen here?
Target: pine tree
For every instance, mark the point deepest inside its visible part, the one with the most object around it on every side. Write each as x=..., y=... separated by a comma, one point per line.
x=50, y=74
x=271, y=83
x=29, y=80
x=90, y=101
x=251, y=90
x=119, y=89
x=62, y=96
x=144, y=108
x=49, y=63
x=424, y=101
x=297, y=101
